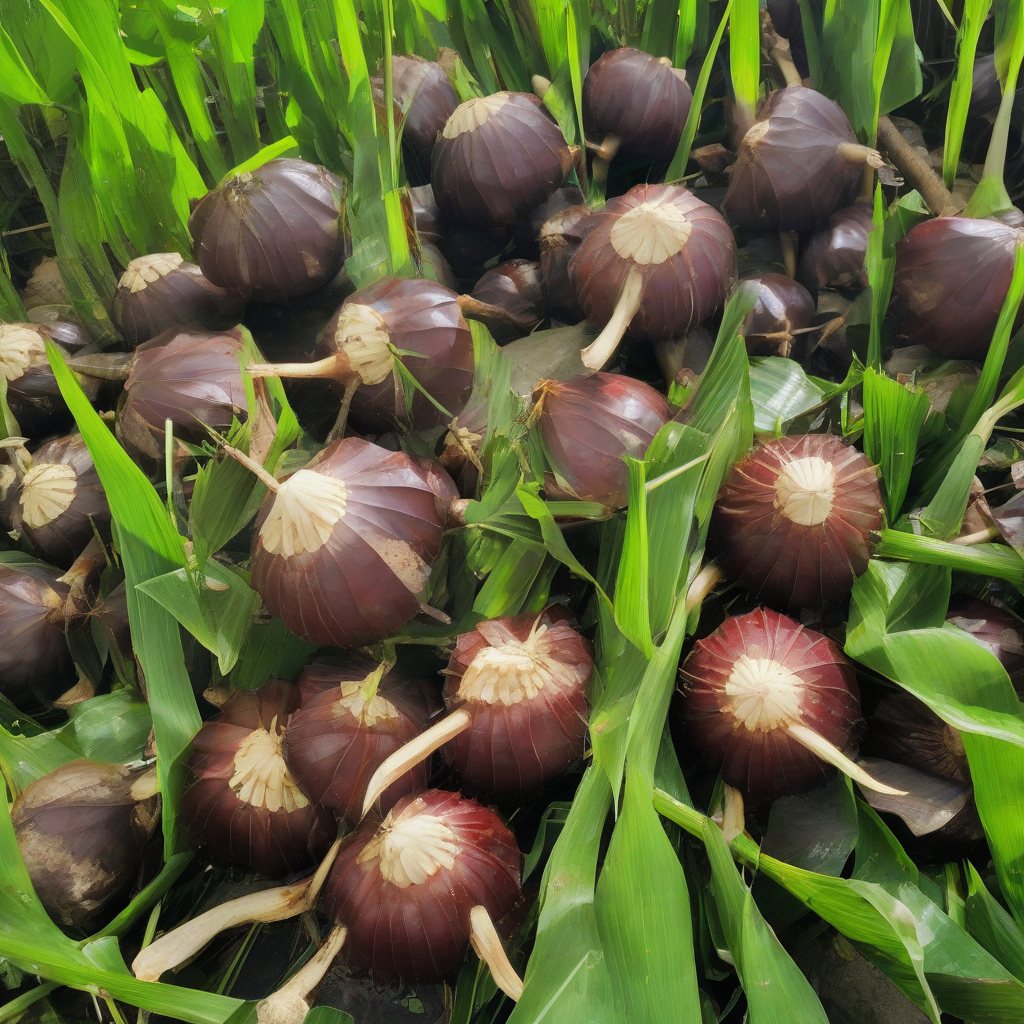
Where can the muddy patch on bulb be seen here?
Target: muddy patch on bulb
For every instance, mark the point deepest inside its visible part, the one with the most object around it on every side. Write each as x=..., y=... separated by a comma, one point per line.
x=403, y=560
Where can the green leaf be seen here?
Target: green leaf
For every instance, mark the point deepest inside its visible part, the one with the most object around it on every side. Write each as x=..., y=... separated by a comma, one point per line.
x=966, y=686
x=781, y=391
x=537, y=509
x=234, y=28
x=112, y=727
x=149, y=547
x=567, y=977
x=509, y=583
x=327, y=1015
x=220, y=619
x=944, y=515
x=979, y=417
x=992, y=926
x=775, y=988
x=271, y=650
x=677, y=168
x=894, y=414
x=282, y=147
x=991, y=196
x=632, y=610
x=868, y=59
x=971, y=22
x=180, y=35
x=880, y=265
x=984, y=559
x=893, y=923
x=16, y=80
x=896, y=75
x=678, y=458
x=745, y=54
x=642, y=894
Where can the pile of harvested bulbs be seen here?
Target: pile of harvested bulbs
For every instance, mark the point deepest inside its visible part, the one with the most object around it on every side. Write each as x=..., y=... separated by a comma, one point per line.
x=390, y=500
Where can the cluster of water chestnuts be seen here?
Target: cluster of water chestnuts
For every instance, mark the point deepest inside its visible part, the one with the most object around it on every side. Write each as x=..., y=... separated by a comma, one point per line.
x=332, y=774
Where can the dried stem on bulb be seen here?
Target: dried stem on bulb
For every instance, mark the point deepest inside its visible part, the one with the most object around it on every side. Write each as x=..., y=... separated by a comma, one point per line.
x=487, y=945
x=172, y=950
x=855, y=153
x=606, y=149
x=779, y=50
x=338, y=430
x=413, y=752
x=103, y=365
x=790, y=243
x=92, y=559
x=603, y=347
x=734, y=822
x=326, y=367
x=703, y=583
x=82, y=690
x=21, y=460
x=980, y=537
x=834, y=756
x=289, y=1004
x=271, y=483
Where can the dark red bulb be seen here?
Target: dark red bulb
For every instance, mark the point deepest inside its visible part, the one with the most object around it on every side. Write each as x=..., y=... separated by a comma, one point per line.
x=350, y=721
x=793, y=520
x=523, y=682
x=746, y=687
x=405, y=886
x=950, y=282
x=241, y=801
x=588, y=425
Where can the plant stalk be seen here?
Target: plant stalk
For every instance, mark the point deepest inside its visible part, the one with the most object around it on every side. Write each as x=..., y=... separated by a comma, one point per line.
x=603, y=347
x=916, y=171
x=413, y=753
